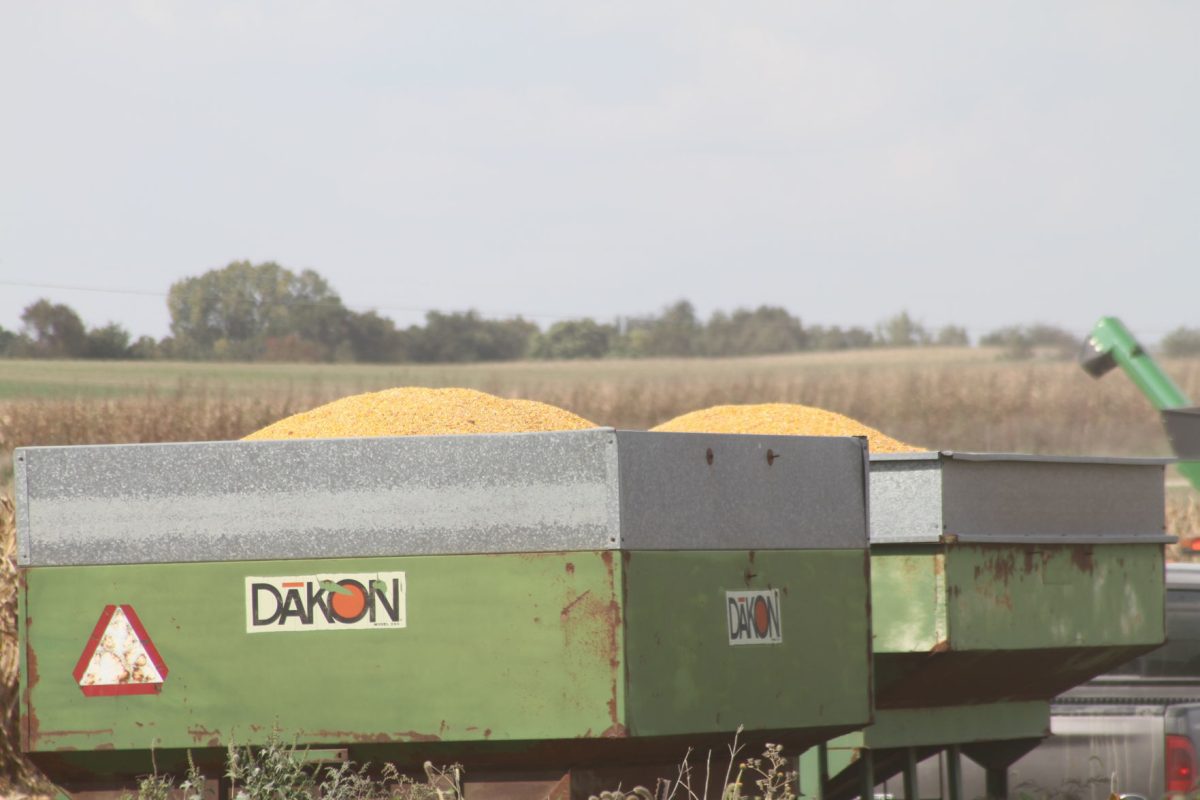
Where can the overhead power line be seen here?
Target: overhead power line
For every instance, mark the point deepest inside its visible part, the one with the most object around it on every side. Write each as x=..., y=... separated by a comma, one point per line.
x=352, y=307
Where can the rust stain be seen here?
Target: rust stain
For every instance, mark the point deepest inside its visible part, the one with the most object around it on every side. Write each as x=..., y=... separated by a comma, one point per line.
x=442, y=729
x=487, y=733
x=97, y=732
x=939, y=565
x=199, y=733
x=570, y=568
x=368, y=738
x=1081, y=557
x=591, y=626
x=941, y=647
x=569, y=607
x=614, y=622
x=1002, y=567
x=616, y=731
x=29, y=730
x=106, y=746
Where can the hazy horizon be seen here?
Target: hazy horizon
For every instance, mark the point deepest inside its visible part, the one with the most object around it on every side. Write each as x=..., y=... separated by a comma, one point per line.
x=978, y=165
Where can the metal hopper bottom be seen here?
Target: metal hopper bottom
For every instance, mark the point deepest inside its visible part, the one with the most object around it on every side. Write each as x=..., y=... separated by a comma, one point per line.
x=916, y=680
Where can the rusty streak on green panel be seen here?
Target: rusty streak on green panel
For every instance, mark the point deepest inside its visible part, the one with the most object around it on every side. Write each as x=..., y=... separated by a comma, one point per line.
x=496, y=647
x=1042, y=596
x=686, y=677
x=1016, y=596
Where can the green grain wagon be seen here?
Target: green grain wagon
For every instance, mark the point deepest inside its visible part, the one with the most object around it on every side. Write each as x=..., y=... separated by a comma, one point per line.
x=553, y=610
x=997, y=582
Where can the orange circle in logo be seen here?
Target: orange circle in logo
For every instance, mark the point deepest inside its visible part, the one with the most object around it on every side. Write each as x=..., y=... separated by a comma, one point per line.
x=348, y=606
x=762, y=618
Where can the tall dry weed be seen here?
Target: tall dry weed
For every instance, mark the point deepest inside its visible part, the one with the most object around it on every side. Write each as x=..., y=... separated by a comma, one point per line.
x=17, y=776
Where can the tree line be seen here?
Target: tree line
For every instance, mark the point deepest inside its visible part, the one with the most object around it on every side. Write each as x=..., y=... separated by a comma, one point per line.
x=265, y=312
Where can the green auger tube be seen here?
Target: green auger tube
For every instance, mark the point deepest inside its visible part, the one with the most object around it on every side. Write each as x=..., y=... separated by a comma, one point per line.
x=1111, y=345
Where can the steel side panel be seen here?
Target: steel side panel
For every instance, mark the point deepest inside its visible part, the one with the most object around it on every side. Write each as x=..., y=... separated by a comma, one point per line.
x=987, y=722
x=685, y=676
x=908, y=599
x=923, y=497
x=1052, y=596
x=1021, y=498
x=326, y=498
x=496, y=647
x=983, y=597
x=810, y=494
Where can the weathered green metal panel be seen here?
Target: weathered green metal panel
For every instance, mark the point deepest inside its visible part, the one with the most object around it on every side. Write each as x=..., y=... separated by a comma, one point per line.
x=963, y=623
x=908, y=588
x=1042, y=596
x=907, y=727
x=500, y=647
x=686, y=677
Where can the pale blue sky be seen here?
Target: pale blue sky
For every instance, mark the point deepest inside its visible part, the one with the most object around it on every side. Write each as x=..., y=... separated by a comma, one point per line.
x=980, y=164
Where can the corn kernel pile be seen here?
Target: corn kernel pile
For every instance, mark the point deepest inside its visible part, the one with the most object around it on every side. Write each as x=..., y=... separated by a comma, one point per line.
x=416, y=411
x=783, y=418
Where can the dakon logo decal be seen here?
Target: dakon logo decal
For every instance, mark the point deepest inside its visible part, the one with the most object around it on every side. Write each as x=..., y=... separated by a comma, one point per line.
x=325, y=602
x=754, y=617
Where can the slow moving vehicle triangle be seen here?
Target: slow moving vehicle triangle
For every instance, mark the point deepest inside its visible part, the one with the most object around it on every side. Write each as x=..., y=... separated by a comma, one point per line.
x=119, y=658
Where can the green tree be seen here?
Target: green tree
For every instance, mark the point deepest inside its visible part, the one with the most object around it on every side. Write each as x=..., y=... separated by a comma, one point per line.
x=953, y=336
x=466, y=336
x=55, y=331
x=372, y=338
x=575, y=338
x=111, y=341
x=1181, y=343
x=8, y=342
x=145, y=347
x=766, y=329
x=675, y=332
x=902, y=331
x=233, y=311
x=837, y=338
x=1025, y=341
x=1012, y=339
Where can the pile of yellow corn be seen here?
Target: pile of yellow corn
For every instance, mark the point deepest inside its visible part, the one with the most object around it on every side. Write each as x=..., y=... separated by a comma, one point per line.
x=416, y=411
x=783, y=418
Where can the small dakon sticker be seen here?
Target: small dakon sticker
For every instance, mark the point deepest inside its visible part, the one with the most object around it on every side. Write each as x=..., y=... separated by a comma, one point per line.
x=754, y=617
x=119, y=658
x=333, y=602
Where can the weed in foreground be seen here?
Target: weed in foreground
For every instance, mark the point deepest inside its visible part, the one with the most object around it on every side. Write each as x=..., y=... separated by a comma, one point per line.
x=279, y=771
x=766, y=778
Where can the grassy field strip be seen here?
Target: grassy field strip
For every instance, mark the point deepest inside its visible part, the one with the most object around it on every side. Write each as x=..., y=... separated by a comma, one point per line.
x=20, y=379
